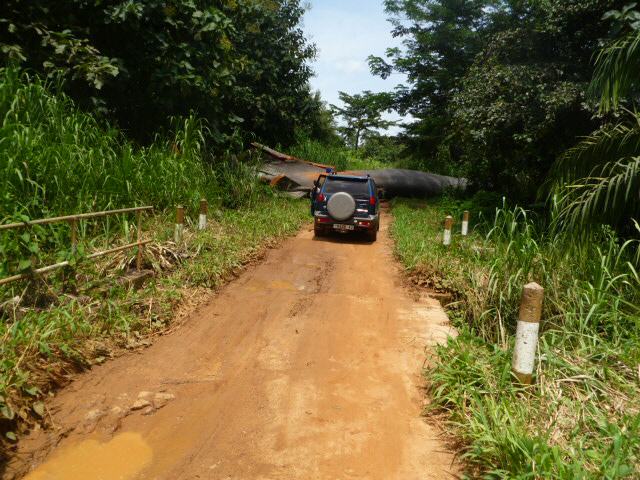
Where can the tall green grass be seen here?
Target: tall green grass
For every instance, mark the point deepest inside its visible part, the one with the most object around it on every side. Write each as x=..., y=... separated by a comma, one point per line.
x=57, y=160
x=582, y=418
x=314, y=151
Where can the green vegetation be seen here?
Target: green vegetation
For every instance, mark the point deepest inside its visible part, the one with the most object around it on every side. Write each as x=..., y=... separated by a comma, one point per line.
x=339, y=156
x=242, y=65
x=497, y=89
x=582, y=417
x=58, y=160
x=501, y=93
x=362, y=114
x=597, y=180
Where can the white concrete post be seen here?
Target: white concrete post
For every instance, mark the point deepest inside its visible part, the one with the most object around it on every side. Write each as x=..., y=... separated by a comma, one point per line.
x=448, y=225
x=204, y=208
x=465, y=224
x=524, y=355
x=179, y=231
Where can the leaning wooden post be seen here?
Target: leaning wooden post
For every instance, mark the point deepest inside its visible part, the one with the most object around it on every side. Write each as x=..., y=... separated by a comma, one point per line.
x=204, y=208
x=139, y=240
x=179, y=231
x=73, y=224
x=448, y=225
x=68, y=273
x=465, y=223
x=524, y=354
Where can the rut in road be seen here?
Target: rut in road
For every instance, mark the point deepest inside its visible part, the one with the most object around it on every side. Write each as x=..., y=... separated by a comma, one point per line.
x=306, y=367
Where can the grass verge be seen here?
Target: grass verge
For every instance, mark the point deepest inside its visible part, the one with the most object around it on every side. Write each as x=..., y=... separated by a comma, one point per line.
x=42, y=348
x=581, y=419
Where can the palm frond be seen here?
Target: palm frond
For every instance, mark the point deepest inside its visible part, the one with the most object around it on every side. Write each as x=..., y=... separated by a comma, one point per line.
x=605, y=146
x=610, y=195
x=617, y=71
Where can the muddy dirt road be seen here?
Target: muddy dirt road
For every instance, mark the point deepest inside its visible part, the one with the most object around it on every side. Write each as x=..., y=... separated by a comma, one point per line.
x=306, y=367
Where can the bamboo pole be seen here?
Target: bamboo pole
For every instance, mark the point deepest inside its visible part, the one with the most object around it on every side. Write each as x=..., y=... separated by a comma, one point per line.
x=68, y=218
x=56, y=266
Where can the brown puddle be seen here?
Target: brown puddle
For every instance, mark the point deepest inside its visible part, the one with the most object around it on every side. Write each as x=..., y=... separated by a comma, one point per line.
x=122, y=458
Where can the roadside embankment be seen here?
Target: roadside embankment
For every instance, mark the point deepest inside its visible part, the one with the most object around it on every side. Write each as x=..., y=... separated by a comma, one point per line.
x=581, y=418
x=44, y=346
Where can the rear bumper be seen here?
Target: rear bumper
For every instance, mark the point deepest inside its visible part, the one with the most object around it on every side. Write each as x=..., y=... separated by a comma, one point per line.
x=360, y=223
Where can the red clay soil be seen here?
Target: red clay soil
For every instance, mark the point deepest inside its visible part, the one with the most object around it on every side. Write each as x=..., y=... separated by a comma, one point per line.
x=306, y=367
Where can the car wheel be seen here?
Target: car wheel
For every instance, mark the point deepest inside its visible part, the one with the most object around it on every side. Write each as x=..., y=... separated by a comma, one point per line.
x=318, y=231
x=372, y=235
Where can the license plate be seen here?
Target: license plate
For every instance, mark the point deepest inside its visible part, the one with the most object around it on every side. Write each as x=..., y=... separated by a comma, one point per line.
x=342, y=226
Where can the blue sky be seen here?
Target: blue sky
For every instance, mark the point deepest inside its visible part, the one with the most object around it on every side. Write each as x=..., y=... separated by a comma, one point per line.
x=346, y=32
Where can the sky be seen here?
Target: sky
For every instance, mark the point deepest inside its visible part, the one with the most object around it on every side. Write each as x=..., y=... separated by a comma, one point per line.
x=346, y=32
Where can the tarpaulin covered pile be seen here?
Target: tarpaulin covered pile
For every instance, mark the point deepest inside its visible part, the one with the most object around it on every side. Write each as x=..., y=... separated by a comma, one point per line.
x=297, y=176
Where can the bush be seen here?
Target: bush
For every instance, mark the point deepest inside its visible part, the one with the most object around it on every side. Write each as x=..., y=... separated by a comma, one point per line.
x=58, y=160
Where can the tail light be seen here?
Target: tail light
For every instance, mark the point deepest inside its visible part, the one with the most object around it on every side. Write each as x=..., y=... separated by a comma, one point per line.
x=320, y=197
x=372, y=200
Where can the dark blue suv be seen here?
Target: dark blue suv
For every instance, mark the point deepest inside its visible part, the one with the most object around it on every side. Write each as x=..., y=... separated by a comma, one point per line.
x=345, y=203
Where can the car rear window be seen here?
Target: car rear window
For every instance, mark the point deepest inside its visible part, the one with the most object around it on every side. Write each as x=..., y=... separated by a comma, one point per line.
x=354, y=187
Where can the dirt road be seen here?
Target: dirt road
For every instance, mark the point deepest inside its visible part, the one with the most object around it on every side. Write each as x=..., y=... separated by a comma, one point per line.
x=306, y=367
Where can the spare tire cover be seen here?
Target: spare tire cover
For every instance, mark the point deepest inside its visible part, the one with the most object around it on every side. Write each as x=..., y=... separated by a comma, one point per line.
x=341, y=206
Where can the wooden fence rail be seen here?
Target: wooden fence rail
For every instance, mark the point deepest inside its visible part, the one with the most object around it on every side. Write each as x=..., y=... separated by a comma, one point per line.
x=73, y=223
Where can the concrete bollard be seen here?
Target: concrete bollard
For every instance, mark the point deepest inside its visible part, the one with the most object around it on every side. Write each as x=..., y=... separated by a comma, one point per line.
x=179, y=231
x=465, y=223
x=524, y=355
x=204, y=209
x=448, y=225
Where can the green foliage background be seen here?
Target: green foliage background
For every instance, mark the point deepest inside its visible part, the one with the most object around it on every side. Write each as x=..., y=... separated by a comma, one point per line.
x=497, y=88
x=242, y=65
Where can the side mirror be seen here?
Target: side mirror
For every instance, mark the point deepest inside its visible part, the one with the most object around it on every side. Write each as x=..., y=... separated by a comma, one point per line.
x=316, y=183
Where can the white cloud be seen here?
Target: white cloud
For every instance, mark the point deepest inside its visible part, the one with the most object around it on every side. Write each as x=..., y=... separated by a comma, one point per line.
x=346, y=32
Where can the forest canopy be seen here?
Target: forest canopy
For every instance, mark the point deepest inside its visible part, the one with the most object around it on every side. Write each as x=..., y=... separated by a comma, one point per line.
x=243, y=65
x=497, y=88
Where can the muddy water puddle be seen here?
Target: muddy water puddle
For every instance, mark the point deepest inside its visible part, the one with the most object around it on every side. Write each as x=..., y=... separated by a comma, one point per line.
x=121, y=458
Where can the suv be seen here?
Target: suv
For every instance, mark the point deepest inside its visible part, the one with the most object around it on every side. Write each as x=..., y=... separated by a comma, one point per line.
x=345, y=203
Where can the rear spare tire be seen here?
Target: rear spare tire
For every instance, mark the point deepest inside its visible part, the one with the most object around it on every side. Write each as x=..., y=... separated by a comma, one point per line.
x=341, y=206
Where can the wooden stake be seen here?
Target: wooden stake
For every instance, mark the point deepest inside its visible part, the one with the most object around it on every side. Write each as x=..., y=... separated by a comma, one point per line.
x=73, y=224
x=140, y=245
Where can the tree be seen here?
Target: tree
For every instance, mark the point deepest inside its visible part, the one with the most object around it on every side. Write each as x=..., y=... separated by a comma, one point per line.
x=362, y=113
x=598, y=180
x=440, y=41
x=242, y=64
x=497, y=87
x=382, y=148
